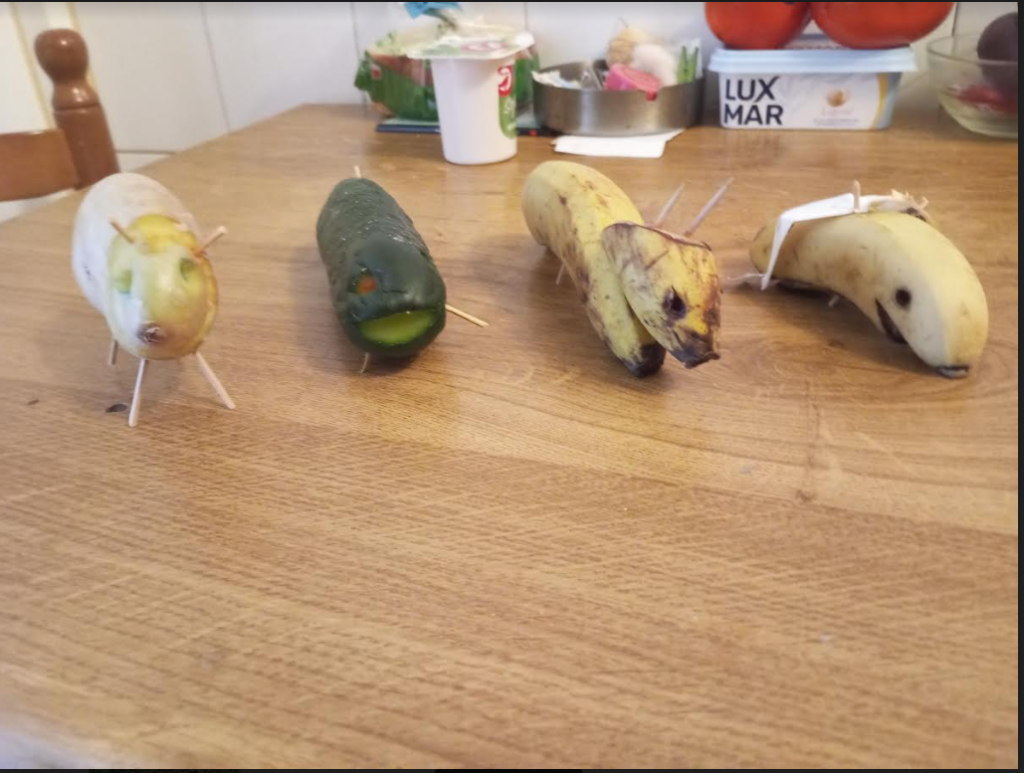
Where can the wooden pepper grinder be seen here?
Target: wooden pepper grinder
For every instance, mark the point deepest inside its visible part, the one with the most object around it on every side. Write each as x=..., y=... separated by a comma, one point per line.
x=76, y=106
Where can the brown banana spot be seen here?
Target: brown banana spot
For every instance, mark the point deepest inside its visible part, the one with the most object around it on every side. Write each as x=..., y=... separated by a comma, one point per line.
x=713, y=314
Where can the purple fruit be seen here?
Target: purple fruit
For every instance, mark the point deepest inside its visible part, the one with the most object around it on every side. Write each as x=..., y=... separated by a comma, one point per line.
x=999, y=43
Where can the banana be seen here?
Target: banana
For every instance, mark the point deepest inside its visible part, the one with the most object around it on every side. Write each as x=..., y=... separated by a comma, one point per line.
x=909, y=279
x=671, y=283
x=567, y=206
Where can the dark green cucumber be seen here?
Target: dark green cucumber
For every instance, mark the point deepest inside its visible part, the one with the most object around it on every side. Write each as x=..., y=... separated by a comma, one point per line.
x=386, y=289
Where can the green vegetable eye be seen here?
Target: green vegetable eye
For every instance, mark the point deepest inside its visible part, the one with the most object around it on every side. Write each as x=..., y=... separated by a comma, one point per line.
x=186, y=266
x=123, y=282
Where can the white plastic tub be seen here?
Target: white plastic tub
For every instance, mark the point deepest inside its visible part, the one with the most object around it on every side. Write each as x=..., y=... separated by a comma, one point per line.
x=813, y=84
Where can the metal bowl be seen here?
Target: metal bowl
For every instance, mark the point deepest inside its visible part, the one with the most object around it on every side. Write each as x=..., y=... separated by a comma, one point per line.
x=613, y=113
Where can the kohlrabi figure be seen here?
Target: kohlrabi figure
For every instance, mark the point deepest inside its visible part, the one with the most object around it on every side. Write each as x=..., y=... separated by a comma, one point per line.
x=138, y=259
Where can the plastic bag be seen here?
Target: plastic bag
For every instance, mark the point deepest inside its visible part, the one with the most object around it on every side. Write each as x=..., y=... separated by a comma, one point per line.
x=403, y=87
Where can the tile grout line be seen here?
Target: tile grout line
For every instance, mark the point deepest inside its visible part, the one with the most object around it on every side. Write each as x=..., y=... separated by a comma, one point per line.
x=216, y=69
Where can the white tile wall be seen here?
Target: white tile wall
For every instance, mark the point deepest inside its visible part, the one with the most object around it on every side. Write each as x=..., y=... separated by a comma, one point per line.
x=20, y=93
x=974, y=17
x=375, y=20
x=273, y=56
x=153, y=67
x=567, y=32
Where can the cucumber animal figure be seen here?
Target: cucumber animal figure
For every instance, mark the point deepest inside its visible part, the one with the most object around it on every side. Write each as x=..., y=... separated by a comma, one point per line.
x=138, y=259
x=387, y=292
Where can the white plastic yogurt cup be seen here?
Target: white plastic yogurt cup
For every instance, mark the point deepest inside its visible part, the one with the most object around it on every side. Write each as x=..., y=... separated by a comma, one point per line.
x=476, y=109
x=473, y=68
x=812, y=85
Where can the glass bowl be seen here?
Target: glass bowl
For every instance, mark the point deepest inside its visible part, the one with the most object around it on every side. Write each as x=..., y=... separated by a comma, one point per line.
x=979, y=94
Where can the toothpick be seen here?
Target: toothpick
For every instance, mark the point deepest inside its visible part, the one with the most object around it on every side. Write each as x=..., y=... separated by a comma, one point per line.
x=112, y=356
x=856, y=196
x=133, y=414
x=366, y=363
x=222, y=393
x=669, y=205
x=121, y=230
x=217, y=234
x=561, y=271
x=712, y=202
x=465, y=316
x=358, y=171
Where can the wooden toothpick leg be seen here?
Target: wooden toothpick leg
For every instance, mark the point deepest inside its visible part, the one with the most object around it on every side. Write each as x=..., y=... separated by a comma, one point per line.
x=465, y=316
x=112, y=357
x=357, y=170
x=366, y=363
x=561, y=271
x=208, y=373
x=133, y=414
x=708, y=207
x=856, y=195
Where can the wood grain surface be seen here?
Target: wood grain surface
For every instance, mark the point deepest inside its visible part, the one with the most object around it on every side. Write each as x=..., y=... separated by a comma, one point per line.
x=511, y=552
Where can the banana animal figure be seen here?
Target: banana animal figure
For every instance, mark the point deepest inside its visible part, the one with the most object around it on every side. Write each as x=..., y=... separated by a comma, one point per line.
x=644, y=290
x=671, y=284
x=898, y=269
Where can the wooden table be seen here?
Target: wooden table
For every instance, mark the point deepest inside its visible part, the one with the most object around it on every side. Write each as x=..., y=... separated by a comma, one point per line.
x=511, y=552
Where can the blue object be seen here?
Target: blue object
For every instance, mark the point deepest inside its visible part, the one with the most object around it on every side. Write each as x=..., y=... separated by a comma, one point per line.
x=416, y=10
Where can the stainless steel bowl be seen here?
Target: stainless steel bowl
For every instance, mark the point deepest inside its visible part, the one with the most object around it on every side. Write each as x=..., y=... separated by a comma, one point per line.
x=613, y=113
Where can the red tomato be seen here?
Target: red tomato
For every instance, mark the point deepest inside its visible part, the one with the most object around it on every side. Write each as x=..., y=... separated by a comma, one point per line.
x=757, y=25
x=878, y=25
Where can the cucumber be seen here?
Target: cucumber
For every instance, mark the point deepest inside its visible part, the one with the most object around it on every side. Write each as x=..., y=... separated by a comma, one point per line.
x=388, y=293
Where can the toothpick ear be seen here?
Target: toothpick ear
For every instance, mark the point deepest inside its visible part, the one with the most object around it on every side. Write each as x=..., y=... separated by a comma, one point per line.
x=209, y=241
x=121, y=230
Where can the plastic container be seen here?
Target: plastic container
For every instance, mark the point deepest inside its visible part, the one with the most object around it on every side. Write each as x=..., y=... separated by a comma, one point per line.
x=476, y=109
x=812, y=84
x=474, y=85
x=597, y=112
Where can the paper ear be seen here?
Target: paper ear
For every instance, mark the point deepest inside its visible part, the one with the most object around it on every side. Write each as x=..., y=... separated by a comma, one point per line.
x=846, y=204
x=815, y=210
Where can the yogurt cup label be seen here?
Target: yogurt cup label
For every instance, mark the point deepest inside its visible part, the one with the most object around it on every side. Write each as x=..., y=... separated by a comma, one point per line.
x=506, y=101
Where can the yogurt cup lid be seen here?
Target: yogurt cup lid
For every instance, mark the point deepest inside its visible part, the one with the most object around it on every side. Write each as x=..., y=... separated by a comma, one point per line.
x=473, y=41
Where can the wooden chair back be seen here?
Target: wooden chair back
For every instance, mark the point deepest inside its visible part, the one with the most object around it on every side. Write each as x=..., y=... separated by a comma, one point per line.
x=76, y=154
